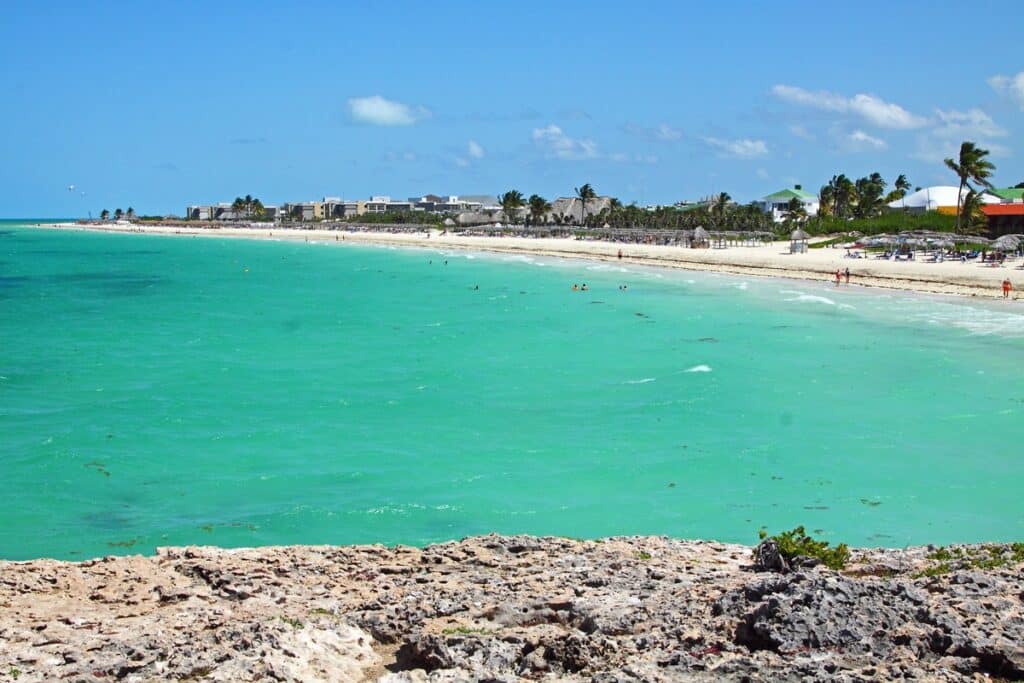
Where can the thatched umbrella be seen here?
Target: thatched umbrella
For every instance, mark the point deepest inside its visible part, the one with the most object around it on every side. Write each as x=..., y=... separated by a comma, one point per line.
x=798, y=241
x=1006, y=243
x=700, y=237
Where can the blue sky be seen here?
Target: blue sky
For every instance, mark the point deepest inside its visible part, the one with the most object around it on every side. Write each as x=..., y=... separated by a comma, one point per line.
x=157, y=105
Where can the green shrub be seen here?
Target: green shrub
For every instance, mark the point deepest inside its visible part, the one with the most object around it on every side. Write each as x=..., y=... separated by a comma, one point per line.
x=796, y=543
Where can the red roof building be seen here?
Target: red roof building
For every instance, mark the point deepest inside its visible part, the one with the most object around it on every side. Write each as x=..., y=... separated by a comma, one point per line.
x=1004, y=219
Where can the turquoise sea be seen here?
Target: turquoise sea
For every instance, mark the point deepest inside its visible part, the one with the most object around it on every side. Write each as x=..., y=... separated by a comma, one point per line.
x=167, y=390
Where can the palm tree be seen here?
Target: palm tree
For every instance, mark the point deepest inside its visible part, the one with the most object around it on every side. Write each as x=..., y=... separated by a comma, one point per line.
x=117, y=214
x=975, y=221
x=257, y=208
x=510, y=203
x=248, y=205
x=971, y=165
x=719, y=203
x=585, y=194
x=130, y=213
x=899, y=189
x=795, y=211
x=845, y=196
x=238, y=206
x=104, y=215
x=539, y=208
x=869, y=195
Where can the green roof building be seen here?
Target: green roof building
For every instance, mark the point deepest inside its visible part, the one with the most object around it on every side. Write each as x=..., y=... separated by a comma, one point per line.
x=776, y=203
x=1008, y=194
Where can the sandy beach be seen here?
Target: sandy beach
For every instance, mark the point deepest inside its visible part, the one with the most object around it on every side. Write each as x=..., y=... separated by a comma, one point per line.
x=773, y=260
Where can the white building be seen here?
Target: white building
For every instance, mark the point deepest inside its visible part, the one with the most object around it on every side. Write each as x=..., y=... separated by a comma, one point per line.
x=937, y=198
x=777, y=203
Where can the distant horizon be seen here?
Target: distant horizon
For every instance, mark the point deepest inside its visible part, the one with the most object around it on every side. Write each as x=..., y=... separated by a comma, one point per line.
x=112, y=105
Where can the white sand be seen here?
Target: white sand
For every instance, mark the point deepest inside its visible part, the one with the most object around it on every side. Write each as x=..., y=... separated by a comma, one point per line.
x=950, y=277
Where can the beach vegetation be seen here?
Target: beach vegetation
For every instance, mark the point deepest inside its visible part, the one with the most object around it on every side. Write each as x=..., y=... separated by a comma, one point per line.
x=104, y=214
x=888, y=221
x=398, y=218
x=900, y=188
x=293, y=622
x=986, y=556
x=796, y=543
x=585, y=193
x=538, y=208
x=970, y=165
x=510, y=203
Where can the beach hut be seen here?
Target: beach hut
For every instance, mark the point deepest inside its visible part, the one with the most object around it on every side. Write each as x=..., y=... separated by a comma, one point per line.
x=700, y=238
x=798, y=241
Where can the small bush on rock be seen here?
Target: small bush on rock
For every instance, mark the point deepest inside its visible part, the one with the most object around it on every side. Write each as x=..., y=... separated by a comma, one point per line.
x=795, y=543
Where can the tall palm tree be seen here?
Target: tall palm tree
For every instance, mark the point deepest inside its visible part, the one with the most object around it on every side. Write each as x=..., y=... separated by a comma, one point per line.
x=845, y=196
x=238, y=206
x=130, y=213
x=104, y=215
x=795, y=211
x=899, y=189
x=539, y=208
x=826, y=200
x=971, y=165
x=869, y=195
x=719, y=203
x=117, y=214
x=585, y=194
x=248, y=205
x=510, y=203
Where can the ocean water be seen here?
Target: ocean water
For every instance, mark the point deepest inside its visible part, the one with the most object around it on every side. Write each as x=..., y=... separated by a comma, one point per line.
x=167, y=390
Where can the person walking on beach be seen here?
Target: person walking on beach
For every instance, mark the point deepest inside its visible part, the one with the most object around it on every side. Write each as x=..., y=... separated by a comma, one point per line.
x=620, y=254
x=847, y=274
x=839, y=277
x=1006, y=288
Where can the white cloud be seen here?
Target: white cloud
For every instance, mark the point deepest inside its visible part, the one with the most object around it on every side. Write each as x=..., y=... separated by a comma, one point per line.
x=474, y=150
x=662, y=132
x=667, y=133
x=801, y=132
x=1013, y=86
x=461, y=162
x=557, y=144
x=973, y=123
x=872, y=109
x=859, y=140
x=378, y=111
x=952, y=128
x=763, y=174
x=404, y=156
x=738, y=149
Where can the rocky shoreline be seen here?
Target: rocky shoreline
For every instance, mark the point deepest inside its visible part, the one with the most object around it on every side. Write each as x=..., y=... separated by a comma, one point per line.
x=506, y=608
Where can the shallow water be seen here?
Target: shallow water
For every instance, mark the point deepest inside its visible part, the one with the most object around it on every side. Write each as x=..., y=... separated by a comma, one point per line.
x=166, y=391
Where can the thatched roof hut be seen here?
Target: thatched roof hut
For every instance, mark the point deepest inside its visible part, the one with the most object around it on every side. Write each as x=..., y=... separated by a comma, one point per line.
x=700, y=237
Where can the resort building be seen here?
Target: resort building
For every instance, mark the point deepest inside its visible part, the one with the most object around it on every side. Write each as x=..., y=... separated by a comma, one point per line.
x=200, y=213
x=449, y=204
x=777, y=203
x=304, y=211
x=941, y=198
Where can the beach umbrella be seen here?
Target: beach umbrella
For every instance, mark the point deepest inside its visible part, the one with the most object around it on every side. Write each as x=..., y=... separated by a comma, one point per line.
x=1006, y=242
x=798, y=234
x=970, y=239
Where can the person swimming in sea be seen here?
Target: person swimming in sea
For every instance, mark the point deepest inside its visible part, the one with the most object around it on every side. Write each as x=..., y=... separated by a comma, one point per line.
x=584, y=287
x=575, y=287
